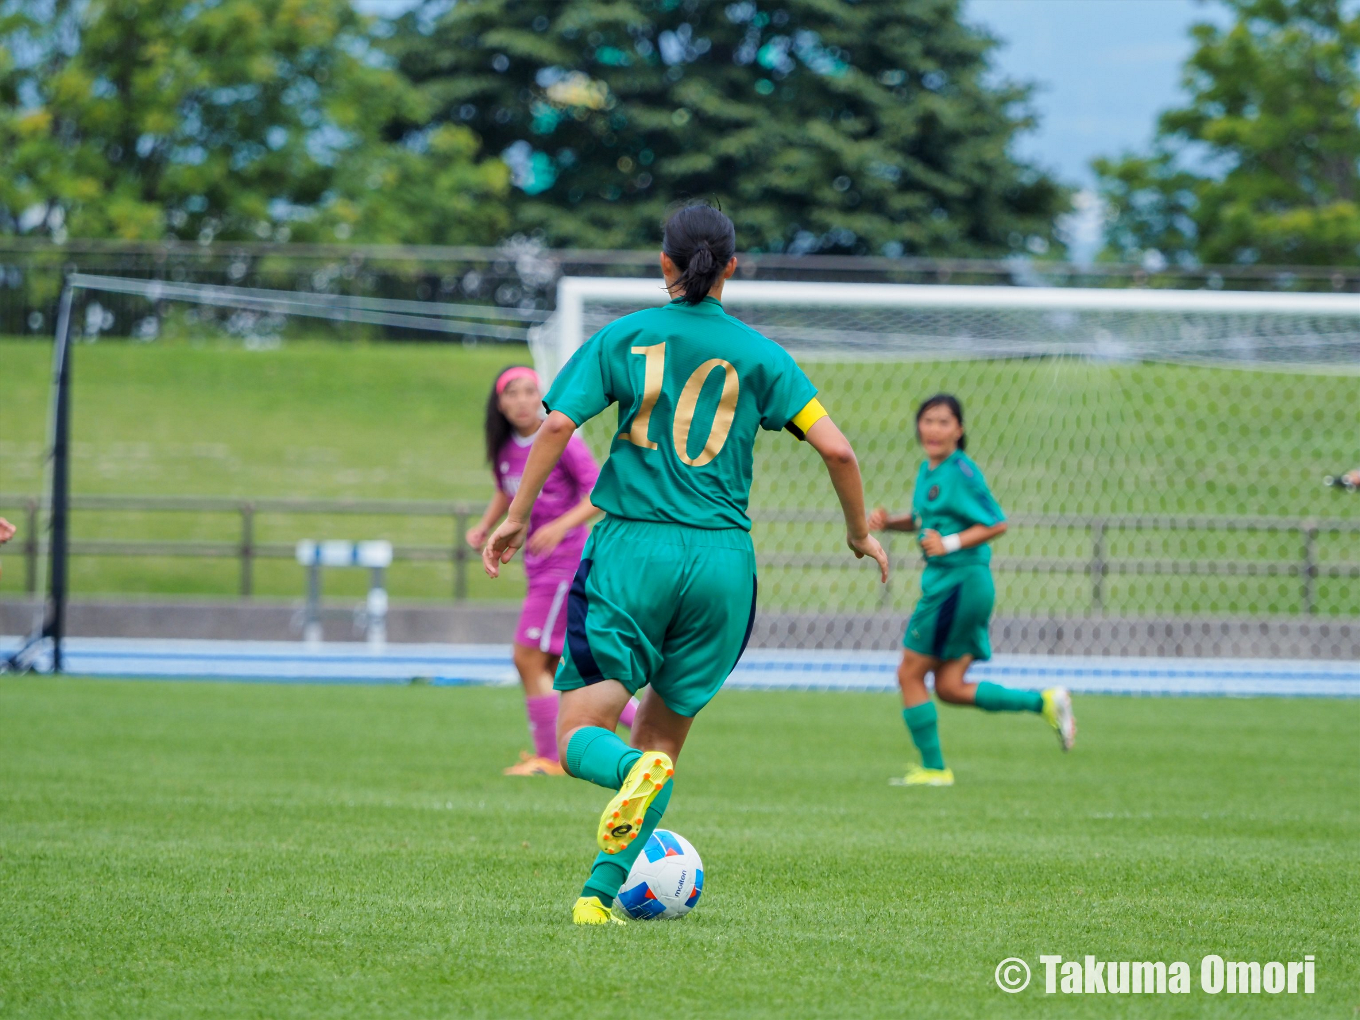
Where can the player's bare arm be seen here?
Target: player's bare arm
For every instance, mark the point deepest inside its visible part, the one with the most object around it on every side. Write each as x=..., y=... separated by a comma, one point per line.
x=841, y=463
x=552, y=438
x=881, y=520
x=932, y=542
x=476, y=535
x=549, y=536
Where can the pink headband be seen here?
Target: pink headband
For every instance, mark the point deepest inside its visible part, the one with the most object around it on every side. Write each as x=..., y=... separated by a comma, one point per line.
x=511, y=374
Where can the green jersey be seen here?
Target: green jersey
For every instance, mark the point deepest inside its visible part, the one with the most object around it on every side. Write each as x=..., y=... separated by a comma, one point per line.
x=694, y=386
x=950, y=498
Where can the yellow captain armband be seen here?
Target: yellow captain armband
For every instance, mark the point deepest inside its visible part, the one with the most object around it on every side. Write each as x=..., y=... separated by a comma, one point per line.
x=806, y=418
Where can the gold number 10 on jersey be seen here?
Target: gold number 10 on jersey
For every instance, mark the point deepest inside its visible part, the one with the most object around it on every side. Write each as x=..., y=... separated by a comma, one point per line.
x=652, y=380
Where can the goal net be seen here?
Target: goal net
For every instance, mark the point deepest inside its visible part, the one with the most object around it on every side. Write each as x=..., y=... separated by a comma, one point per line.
x=1160, y=454
x=155, y=508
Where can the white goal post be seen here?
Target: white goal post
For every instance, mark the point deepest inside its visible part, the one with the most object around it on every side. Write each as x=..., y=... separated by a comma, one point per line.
x=932, y=321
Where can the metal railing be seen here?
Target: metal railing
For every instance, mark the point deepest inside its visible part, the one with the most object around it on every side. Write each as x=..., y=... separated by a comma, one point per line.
x=247, y=550
x=1097, y=564
x=521, y=275
x=105, y=255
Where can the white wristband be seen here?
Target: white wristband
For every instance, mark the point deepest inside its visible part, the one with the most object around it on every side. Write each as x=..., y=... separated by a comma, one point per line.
x=951, y=543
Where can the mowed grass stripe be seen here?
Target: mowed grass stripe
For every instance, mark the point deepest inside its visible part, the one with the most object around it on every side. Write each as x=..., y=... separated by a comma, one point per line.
x=196, y=850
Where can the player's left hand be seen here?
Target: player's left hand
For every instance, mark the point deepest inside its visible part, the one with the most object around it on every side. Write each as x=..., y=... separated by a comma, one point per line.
x=546, y=538
x=868, y=546
x=931, y=543
x=502, y=544
x=6, y=531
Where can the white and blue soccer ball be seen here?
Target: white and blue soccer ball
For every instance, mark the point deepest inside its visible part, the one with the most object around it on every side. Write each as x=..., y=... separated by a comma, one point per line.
x=665, y=880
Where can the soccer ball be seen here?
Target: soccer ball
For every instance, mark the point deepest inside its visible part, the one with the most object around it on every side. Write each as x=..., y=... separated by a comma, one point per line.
x=665, y=881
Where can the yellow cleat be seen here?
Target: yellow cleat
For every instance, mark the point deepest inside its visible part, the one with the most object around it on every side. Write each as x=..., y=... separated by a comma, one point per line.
x=589, y=910
x=918, y=776
x=529, y=765
x=1058, y=714
x=622, y=817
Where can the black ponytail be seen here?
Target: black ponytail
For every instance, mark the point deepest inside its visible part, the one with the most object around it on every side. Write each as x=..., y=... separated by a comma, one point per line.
x=700, y=240
x=497, y=428
x=942, y=400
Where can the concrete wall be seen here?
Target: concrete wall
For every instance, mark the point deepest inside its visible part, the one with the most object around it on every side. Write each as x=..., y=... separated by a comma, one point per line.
x=261, y=620
x=1281, y=637
x=1203, y=637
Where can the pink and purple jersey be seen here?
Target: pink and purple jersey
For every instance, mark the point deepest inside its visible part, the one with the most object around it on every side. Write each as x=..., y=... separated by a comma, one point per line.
x=569, y=483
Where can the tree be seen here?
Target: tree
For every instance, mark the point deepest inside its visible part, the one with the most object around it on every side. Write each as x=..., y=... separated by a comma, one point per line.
x=822, y=125
x=236, y=119
x=1263, y=164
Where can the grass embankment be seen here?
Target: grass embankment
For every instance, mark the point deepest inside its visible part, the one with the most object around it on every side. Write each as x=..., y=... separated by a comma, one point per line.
x=327, y=419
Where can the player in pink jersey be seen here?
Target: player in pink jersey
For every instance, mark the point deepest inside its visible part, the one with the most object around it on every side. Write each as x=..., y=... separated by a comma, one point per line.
x=557, y=534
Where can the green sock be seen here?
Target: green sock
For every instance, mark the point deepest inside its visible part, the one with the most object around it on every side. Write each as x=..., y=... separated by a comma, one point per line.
x=923, y=722
x=995, y=698
x=598, y=755
x=608, y=872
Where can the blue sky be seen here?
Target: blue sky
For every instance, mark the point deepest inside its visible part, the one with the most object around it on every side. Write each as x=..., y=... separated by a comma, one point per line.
x=1105, y=70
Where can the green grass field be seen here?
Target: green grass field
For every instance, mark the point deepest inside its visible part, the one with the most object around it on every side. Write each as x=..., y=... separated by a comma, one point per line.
x=206, y=850
x=330, y=419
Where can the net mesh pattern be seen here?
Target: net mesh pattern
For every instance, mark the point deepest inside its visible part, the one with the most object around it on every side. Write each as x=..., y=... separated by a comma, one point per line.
x=1154, y=465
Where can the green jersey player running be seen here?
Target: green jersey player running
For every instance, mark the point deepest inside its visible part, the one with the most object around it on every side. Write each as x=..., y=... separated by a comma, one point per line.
x=957, y=517
x=665, y=595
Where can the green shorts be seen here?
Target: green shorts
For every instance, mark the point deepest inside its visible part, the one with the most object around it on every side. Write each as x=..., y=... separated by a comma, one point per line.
x=660, y=604
x=951, y=619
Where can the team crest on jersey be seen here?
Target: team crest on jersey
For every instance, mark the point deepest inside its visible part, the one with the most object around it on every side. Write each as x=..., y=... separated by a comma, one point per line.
x=933, y=492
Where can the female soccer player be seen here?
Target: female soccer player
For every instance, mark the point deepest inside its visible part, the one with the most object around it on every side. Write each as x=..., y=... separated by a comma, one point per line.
x=957, y=517
x=557, y=535
x=665, y=595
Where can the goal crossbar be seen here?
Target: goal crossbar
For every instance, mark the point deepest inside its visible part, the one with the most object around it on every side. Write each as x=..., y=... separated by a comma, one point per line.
x=555, y=340
x=576, y=289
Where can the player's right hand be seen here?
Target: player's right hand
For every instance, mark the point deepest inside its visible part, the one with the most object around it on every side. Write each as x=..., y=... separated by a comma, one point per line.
x=868, y=546
x=476, y=536
x=878, y=519
x=6, y=531
x=502, y=544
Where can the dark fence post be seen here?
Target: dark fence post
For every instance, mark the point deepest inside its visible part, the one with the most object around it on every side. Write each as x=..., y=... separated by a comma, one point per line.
x=247, y=550
x=31, y=549
x=1098, y=567
x=1310, y=568
x=460, y=556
